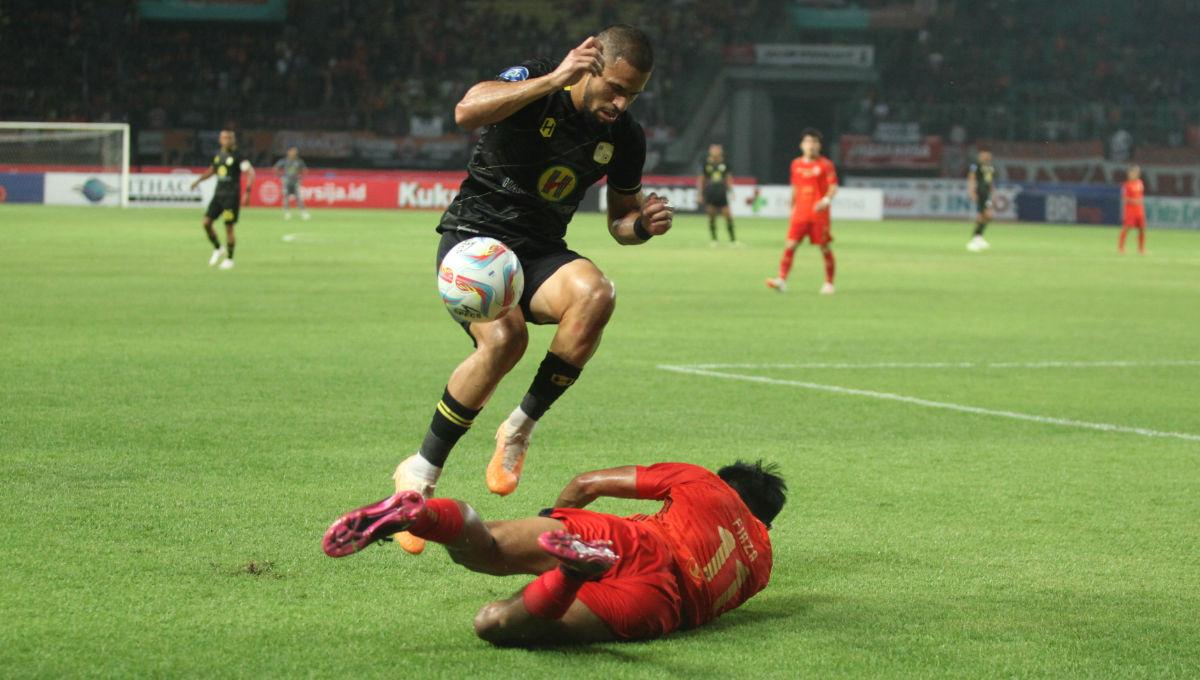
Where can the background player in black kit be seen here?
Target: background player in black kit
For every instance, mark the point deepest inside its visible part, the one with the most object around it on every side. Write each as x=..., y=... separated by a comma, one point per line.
x=550, y=131
x=228, y=165
x=714, y=183
x=980, y=178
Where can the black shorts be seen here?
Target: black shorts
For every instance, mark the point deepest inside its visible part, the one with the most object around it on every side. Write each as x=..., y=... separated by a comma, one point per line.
x=537, y=263
x=224, y=208
x=983, y=204
x=716, y=197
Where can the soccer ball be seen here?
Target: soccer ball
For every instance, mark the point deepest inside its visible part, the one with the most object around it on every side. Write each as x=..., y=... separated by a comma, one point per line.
x=480, y=279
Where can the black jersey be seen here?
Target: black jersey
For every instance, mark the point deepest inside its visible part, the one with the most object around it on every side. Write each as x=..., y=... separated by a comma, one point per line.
x=715, y=173
x=227, y=166
x=529, y=172
x=984, y=176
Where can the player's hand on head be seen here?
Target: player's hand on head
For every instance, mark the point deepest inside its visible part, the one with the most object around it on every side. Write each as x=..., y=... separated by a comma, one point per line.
x=587, y=58
x=657, y=215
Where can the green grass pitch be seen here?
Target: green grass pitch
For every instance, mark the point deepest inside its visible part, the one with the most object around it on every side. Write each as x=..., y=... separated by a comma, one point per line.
x=175, y=439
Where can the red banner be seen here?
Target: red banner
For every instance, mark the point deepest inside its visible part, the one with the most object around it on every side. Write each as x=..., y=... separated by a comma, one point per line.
x=860, y=151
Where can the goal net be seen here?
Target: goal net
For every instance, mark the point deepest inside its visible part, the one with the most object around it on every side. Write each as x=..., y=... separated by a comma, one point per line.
x=84, y=163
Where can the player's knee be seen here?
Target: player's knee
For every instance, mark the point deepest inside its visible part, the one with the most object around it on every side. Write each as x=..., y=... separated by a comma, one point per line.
x=506, y=338
x=491, y=624
x=600, y=299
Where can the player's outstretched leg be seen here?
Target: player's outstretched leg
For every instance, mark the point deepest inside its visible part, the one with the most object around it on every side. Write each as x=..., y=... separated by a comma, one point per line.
x=580, y=299
x=547, y=611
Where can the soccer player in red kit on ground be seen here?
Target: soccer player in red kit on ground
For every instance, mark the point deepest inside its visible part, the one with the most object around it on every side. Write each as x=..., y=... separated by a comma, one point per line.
x=601, y=577
x=1133, y=191
x=814, y=184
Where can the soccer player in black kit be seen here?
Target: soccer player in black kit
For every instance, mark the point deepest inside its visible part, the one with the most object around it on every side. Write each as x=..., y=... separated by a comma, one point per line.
x=980, y=178
x=714, y=183
x=550, y=131
x=228, y=165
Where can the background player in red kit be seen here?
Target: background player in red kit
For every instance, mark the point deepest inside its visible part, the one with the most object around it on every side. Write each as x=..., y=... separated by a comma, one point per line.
x=814, y=184
x=602, y=577
x=1133, y=191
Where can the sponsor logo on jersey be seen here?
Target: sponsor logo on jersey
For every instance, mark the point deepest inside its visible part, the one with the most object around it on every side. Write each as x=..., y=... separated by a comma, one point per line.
x=514, y=74
x=603, y=153
x=547, y=128
x=556, y=183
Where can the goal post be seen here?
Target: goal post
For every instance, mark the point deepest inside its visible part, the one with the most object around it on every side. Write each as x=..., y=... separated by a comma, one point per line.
x=97, y=152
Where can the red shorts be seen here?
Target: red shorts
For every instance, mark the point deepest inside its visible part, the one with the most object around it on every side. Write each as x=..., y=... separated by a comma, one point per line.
x=815, y=228
x=639, y=597
x=1134, y=220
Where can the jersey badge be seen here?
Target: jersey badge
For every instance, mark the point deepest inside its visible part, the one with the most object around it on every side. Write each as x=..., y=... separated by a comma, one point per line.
x=603, y=153
x=514, y=74
x=556, y=183
x=547, y=128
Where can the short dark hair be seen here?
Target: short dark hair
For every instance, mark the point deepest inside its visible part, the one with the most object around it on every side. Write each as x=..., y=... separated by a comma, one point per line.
x=622, y=41
x=759, y=485
x=811, y=132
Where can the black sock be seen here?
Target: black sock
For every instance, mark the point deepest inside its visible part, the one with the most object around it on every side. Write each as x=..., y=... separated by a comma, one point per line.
x=213, y=240
x=451, y=420
x=712, y=227
x=553, y=378
x=979, y=227
x=230, y=246
x=729, y=226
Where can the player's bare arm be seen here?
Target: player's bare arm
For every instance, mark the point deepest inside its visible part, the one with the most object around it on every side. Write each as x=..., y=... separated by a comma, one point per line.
x=701, y=185
x=618, y=482
x=827, y=200
x=971, y=189
x=492, y=101
x=247, y=168
x=207, y=173
x=634, y=219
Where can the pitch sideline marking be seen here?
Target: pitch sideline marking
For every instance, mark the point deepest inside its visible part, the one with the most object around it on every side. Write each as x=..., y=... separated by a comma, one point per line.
x=917, y=401
x=964, y=364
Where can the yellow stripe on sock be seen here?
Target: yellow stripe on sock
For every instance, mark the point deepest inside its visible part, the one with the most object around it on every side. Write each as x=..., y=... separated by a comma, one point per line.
x=452, y=416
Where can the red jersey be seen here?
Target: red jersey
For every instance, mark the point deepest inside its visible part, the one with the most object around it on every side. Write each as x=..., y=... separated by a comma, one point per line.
x=1133, y=192
x=721, y=550
x=810, y=182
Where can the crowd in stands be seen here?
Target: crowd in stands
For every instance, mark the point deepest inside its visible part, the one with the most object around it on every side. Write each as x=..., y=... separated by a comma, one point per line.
x=388, y=66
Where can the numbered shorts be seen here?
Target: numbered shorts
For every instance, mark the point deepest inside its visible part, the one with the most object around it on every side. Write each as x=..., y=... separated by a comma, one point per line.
x=815, y=229
x=639, y=597
x=223, y=208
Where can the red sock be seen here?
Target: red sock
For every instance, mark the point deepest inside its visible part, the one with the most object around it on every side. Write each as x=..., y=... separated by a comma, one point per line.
x=1141, y=239
x=440, y=526
x=785, y=263
x=1121, y=239
x=551, y=594
x=828, y=265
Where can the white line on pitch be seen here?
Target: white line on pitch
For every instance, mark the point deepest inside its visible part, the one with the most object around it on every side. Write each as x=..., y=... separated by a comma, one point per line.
x=1065, y=422
x=963, y=364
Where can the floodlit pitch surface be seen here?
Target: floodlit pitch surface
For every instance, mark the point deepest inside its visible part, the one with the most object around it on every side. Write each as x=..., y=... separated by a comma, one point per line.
x=994, y=458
